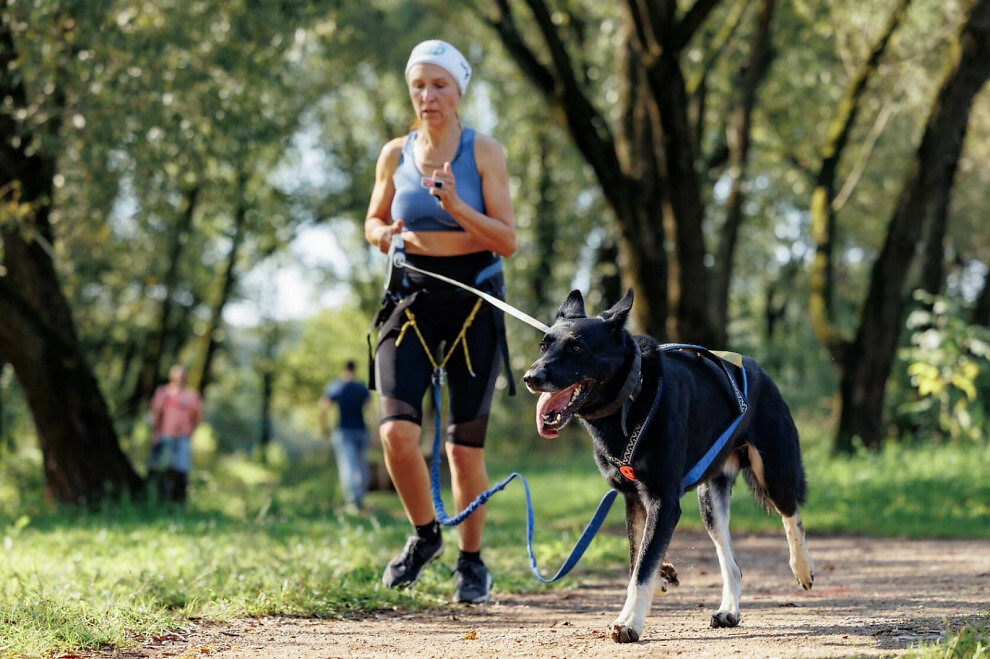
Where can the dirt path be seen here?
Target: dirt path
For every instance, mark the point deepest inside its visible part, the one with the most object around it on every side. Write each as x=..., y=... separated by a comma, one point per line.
x=871, y=598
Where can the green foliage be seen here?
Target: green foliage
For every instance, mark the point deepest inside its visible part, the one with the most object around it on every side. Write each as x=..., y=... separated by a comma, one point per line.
x=948, y=361
x=913, y=491
x=268, y=538
x=281, y=108
x=969, y=641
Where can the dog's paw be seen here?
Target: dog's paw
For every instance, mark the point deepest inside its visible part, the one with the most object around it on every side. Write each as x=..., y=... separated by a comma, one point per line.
x=725, y=619
x=807, y=582
x=623, y=634
x=669, y=575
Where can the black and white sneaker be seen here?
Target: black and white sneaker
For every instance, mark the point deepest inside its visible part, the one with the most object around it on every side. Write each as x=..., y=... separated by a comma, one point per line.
x=474, y=584
x=405, y=569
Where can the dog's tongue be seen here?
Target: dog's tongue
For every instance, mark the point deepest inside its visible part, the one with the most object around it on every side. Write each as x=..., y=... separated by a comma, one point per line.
x=547, y=407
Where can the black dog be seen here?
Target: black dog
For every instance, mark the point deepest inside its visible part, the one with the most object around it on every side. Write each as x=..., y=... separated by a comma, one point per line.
x=665, y=419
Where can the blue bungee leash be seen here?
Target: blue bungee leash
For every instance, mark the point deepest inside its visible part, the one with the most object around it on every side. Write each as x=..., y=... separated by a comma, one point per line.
x=579, y=548
x=397, y=262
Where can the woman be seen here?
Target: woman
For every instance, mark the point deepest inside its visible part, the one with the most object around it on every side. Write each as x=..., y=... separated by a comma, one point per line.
x=176, y=412
x=445, y=189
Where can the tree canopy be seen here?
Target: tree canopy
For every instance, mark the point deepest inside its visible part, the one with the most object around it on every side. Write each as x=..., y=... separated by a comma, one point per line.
x=726, y=159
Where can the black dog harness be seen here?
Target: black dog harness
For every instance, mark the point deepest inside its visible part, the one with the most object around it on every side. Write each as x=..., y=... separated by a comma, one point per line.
x=628, y=395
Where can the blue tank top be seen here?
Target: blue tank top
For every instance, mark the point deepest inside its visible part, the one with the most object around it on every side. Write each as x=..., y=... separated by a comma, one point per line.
x=416, y=207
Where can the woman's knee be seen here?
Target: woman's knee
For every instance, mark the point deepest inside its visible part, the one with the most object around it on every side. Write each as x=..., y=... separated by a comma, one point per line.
x=463, y=457
x=399, y=437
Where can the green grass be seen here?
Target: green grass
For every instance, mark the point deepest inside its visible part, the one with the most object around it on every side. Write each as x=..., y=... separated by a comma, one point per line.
x=269, y=539
x=970, y=641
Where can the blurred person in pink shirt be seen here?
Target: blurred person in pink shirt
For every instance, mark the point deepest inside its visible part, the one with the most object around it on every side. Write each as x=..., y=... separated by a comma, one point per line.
x=176, y=412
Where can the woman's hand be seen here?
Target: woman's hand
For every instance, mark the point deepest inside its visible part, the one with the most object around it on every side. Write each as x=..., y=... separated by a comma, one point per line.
x=447, y=192
x=385, y=235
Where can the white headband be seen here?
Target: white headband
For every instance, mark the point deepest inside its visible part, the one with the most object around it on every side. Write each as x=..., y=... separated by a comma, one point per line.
x=443, y=55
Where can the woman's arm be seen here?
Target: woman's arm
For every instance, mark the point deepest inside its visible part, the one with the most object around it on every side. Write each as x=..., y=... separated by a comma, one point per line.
x=495, y=229
x=378, y=225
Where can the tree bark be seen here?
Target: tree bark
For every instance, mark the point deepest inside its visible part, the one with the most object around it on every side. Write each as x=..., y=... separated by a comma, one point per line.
x=981, y=311
x=933, y=248
x=544, y=226
x=739, y=128
x=658, y=38
x=154, y=351
x=647, y=173
x=823, y=226
x=82, y=458
x=271, y=339
x=870, y=357
x=4, y=439
x=211, y=337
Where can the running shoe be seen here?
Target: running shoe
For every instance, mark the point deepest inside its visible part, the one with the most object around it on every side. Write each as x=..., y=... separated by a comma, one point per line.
x=405, y=569
x=474, y=584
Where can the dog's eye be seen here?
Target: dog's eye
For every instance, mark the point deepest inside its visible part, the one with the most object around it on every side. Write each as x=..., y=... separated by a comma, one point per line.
x=543, y=346
x=575, y=347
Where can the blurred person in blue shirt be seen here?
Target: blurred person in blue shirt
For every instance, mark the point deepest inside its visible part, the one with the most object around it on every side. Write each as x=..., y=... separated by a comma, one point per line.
x=350, y=437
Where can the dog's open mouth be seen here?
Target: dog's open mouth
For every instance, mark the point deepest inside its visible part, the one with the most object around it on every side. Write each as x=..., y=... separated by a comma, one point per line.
x=555, y=409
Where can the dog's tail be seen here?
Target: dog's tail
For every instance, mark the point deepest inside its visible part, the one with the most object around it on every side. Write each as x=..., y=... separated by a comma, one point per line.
x=777, y=485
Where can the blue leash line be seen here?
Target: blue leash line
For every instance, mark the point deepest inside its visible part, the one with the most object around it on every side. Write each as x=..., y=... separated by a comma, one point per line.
x=579, y=548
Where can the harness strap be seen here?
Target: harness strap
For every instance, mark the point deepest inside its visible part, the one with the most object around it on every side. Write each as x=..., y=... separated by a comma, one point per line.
x=625, y=463
x=694, y=475
x=741, y=400
x=488, y=271
x=460, y=339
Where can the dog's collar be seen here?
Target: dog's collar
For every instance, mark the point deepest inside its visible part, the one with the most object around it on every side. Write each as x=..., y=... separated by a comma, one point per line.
x=627, y=394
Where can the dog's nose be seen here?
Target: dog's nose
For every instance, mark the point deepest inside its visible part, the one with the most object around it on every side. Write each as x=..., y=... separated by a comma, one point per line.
x=535, y=377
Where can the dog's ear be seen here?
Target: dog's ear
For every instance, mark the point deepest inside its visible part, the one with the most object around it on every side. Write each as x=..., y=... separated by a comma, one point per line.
x=619, y=312
x=573, y=307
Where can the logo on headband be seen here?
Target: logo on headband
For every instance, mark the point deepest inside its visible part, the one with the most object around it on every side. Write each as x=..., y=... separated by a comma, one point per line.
x=434, y=48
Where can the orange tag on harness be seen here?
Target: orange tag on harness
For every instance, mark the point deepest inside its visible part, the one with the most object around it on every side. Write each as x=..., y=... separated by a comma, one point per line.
x=627, y=471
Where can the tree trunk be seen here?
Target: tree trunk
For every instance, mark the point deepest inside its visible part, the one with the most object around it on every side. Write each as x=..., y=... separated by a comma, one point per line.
x=739, y=128
x=647, y=174
x=545, y=229
x=211, y=337
x=821, y=278
x=605, y=277
x=4, y=440
x=981, y=312
x=271, y=335
x=870, y=357
x=82, y=458
x=659, y=38
x=933, y=249
x=151, y=364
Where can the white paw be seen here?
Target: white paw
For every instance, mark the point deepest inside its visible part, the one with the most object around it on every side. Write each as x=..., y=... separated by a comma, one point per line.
x=803, y=571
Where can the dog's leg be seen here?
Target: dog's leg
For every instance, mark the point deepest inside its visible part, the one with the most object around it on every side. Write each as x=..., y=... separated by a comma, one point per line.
x=784, y=494
x=658, y=527
x=635, y=519
x=800, y=562
x=713, y=498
